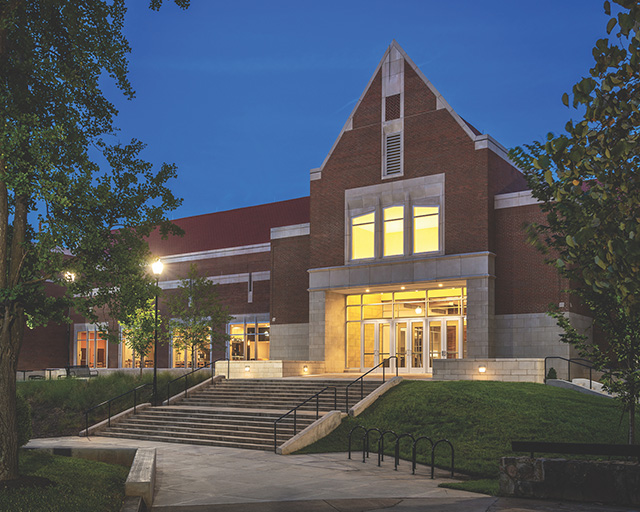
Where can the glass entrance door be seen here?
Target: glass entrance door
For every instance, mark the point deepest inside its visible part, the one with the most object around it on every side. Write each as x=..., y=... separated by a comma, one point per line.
x=445, y=339
x=376, y=343
x=409, y=345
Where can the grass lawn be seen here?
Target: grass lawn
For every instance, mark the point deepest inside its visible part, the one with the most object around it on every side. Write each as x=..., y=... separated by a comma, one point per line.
x=78, y=485
x=57, y=406
x=481, y=419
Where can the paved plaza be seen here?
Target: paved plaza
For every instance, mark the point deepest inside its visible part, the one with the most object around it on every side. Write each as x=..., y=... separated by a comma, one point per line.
x=205, y=478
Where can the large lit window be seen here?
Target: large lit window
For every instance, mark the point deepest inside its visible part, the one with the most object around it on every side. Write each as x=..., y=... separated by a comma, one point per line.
x=425, y=229
x=249, y=341
x=394, y=230
x=91, y=349
x=363, y=236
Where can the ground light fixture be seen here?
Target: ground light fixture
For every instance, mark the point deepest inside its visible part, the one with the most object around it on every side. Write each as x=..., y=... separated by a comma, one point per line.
x=482, y=369
x=247, y=368
x=305, y=369
x=156, y=267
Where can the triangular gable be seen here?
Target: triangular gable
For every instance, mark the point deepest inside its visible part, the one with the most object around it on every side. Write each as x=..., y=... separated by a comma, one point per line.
x=482, y=141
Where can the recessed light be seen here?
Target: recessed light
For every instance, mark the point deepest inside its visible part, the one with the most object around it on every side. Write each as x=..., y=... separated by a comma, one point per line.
x=402, y=287
x=440, y=285
x=367, y=290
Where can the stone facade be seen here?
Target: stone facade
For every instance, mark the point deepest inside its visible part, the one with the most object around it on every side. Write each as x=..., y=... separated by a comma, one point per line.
x=571, y=480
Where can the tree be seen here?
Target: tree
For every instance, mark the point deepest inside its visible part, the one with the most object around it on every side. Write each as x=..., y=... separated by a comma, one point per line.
x=588, y=180
x=139, y=331
x=198, y=317
x=59, y=211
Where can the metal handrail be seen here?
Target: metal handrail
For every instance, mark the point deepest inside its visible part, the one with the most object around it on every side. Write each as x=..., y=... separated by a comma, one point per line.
x=569, y=363
x=361, y=379
x=295, y=412
x=186, y=376
x=108, y=403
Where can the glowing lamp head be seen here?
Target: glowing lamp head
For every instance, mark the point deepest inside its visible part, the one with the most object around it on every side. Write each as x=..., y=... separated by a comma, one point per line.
x=418, y=310
x=247, y=368
x=305, y=369
x=69, y=277
x=482, y=369
x=157, y=267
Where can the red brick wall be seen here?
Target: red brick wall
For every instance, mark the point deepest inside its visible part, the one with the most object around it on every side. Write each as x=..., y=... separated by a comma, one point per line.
x=524, y=283
x=434, y=143
x=290, y=280
x=240, y=264
x=503, y=179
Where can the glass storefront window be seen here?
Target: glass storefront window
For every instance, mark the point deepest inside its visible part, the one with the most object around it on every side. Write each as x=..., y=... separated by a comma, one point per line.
x=249, y=341
x=130, y=359
x=91, y=349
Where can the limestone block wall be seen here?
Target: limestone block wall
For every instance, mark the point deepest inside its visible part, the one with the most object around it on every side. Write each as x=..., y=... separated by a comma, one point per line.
x=268, y=369
x=289, y=342
x=537, y=335
x=506, y=370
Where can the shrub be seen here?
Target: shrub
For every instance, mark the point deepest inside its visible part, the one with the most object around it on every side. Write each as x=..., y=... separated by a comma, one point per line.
x=24, y=420
x=552, y=374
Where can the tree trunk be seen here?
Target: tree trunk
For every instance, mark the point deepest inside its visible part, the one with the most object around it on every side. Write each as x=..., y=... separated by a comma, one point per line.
x=632, y=420
x=141, y=364
x=10, y=338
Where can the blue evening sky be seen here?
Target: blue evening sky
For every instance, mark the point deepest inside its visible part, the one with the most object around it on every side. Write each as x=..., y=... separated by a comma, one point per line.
x=247, y=96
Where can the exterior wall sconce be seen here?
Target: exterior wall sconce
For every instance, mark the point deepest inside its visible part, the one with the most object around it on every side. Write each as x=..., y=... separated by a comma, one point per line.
x=482, y=369
x=305, y=369
x=247, y=368
x=418, y=310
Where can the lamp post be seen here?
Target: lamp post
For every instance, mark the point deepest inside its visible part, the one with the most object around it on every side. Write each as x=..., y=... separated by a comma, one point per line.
x=156, y=266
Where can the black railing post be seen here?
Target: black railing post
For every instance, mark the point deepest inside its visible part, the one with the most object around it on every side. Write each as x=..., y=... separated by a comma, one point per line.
x=383, y=376
x=590, y=379
x=275, y=436
x=135, y=400
x=361, y=387
x=335, y=398
x=86, y=422
x=295, y=421
x=109, y=419
x=346, y=399
x=569, y=366
x=317, y=405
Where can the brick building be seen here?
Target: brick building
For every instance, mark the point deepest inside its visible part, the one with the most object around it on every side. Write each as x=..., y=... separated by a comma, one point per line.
x=410, y=245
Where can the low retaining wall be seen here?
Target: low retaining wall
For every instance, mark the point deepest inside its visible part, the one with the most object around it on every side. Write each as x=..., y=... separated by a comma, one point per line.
x=506, y=370
x=268, y=369
x=576, y=480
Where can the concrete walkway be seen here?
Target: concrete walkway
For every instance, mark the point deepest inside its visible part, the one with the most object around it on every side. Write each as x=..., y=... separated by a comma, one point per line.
x=202, y=478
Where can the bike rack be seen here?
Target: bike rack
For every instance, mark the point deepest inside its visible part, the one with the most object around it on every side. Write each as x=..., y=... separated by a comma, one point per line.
x=414, y=448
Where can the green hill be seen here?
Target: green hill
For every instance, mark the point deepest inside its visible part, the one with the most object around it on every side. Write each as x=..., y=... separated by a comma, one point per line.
x=481, y=419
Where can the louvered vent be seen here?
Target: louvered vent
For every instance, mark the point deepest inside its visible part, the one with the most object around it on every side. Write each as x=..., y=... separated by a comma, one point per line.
x=392, y=107
x=394, y=154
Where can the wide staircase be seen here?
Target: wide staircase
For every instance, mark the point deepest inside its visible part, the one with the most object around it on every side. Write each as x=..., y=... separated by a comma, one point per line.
x=238, y=413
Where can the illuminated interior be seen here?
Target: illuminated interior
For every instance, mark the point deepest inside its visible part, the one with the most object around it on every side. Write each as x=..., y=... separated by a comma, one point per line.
x=130, y=359
x=188, y=357
x=363, y=236
x=425, y=229
x=249, y=342
x=383, y=324
x=91, y=349
x=394, y=231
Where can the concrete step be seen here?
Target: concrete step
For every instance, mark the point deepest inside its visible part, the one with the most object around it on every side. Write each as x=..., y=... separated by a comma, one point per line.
x=238, y=413
x=175, y=439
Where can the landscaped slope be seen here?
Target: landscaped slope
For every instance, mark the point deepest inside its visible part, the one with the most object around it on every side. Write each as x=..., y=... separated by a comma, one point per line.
x=481, y=419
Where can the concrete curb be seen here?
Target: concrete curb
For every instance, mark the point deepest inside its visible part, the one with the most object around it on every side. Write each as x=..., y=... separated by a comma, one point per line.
x=317, y=430
x=564, y=384
x=202, y=384
x=362, y=405
x=142, y=476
